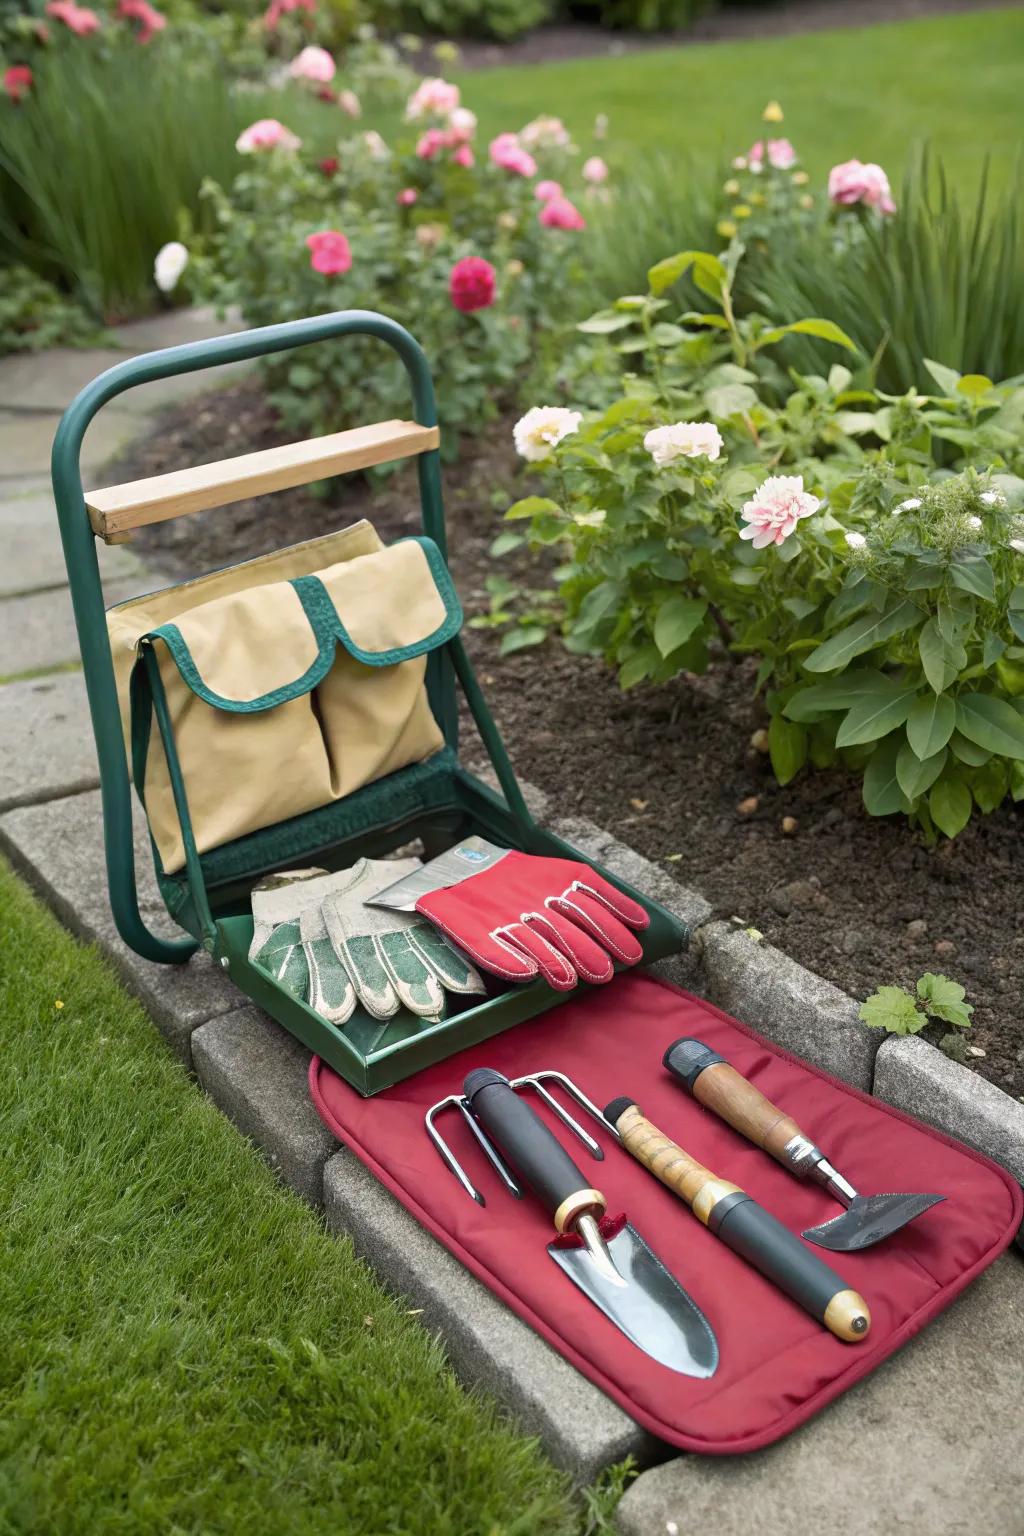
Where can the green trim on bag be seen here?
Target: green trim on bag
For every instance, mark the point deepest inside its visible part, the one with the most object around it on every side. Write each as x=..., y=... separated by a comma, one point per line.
x=328, y=630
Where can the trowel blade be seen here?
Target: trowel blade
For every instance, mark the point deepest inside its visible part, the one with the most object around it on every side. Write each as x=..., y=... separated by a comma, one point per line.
x=650, y=1308
x=869, y=1219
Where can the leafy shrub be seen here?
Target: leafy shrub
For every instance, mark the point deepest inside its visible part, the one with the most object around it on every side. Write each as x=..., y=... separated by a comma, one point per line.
x=408, y=215
x=941, y=279
x=640, y=15
x=889, y=629
x=34, y=314
x=502, y=19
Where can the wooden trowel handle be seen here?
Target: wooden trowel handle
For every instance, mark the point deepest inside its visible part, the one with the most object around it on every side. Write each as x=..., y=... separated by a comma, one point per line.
x=719, y=1087
x=681, y=1173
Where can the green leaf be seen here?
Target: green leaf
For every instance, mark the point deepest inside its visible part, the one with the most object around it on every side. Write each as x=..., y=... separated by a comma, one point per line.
x=1017, y=782
x=505, y=543
x=914, y=775
x=730, y=400
x=860, y=636
x=930, y=724
x=592, y=626
x=944, y=999
x=941, y=659
x=992, y=650
x=787, y=747
x=966, y=752
x=990, y=723
x=882, y=793
x=892, y=1009
x=946, y=378
x=519, y=639
x=989, y=783
x=825, y=330
x=531, y=506
x=677, y=619
x=950, y=804
x=839, y=693
x=709, y=273
x=873, y=717
x=972, y=573
x=604, y=322
x=974, y=385
x=638, y=666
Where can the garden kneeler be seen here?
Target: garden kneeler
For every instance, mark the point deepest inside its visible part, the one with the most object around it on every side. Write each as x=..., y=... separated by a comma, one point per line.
x=300, y=711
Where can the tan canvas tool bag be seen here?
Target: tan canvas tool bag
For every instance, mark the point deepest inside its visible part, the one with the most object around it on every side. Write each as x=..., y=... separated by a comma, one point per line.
x=287, y=682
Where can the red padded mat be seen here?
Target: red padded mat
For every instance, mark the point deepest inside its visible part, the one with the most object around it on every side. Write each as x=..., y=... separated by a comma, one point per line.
x=778, y=1366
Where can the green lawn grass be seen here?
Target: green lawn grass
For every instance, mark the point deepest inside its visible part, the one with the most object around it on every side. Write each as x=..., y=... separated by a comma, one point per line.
x=866, y=93
x=183, y=1347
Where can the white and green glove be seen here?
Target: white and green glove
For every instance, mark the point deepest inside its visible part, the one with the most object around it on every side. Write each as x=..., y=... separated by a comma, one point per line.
x=321, y=943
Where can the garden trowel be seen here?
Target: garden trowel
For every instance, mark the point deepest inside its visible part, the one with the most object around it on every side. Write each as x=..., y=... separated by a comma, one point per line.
x=614, y=1268
x=718, y=1086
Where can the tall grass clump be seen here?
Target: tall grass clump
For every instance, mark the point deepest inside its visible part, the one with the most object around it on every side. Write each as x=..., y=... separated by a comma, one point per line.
x=941, y=279
x=102, y=159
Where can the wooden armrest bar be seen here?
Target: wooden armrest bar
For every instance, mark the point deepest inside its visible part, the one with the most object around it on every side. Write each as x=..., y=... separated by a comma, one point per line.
x=119, y=508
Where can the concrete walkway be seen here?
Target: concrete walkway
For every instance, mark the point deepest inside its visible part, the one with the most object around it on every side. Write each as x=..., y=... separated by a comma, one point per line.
x=928, y=1444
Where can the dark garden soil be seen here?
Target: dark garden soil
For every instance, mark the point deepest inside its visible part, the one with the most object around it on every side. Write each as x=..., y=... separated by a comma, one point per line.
x=730, y=23
x=670, y=770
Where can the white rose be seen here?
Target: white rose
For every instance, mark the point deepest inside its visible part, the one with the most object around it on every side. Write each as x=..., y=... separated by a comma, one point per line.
x=684, y=440
x=910, y=505
x=543, y=428
x=171, y=261
x=856, y=540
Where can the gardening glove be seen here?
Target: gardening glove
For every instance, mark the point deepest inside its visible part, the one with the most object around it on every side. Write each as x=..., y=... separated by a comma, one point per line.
x=290, y=941
x=395, y=959
x=526, y=915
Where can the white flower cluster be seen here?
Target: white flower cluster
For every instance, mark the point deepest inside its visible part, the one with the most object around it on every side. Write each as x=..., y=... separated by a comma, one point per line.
x=684, y=440
x=543, y=428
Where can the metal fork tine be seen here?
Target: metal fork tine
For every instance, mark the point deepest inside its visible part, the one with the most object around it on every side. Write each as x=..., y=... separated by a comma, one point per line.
x=581, y=1099
x=450, y=1161
x=491, y=1152
x=569, y=1121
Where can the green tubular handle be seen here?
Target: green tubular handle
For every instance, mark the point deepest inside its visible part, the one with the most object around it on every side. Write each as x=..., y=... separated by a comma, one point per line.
x=83, y=568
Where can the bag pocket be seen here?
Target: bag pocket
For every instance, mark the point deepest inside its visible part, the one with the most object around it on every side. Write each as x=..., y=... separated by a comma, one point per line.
x=282, y=698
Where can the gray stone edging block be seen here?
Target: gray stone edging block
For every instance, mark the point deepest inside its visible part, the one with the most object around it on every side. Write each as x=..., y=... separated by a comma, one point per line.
x=579, y=1427
x=256, y=1073
x=46, y=742
x=58, y=847
x=919, y=1446
x=799, y=1010
x=914, y=1076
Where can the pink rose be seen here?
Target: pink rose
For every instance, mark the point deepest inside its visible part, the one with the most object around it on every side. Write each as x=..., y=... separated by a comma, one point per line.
x=267, y=133
x=407, y=197
x=431, y=143
x=855, y=182
x=78, y=18
x=150, y=20
x=462, y=124
x=313, y=64
x=559, y=213
x=545, y=132
x=471, y=284
x=595, y=170
x=781, y=154
x=330, y=252
x=753, y=160
x=278, y=8
x=17, y=82
x=507, y=153
x=544, y=191
x=348, y=101
x=464, y=156
x=775, y=508
x=432, y=97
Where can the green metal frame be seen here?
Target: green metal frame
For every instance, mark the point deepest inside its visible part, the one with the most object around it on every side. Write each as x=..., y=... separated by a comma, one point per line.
x=439, y=800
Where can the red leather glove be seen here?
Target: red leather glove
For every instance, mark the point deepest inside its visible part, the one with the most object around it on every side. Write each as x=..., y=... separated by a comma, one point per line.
x=527, y=914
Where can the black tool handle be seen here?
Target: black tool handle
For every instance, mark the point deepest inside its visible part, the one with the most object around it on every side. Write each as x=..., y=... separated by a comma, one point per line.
x=531, y=1148
x=744, y=1226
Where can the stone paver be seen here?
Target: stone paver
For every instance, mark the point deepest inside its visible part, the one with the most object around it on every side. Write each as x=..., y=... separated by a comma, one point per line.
x=801, y=1011
x=58, y=847
x=47, y=382
x=33, y=558
x=914, y=1076
x=488, y=1345
x=46, y=742
x=38, y=630
x=26, y=440
x=928, y=1445
x=173, y=327
x=256, y=1073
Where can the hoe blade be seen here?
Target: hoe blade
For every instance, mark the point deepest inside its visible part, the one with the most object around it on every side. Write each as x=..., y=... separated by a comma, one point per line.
x=869, y=1219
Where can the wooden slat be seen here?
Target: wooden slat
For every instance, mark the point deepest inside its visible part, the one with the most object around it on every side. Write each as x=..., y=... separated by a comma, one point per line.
x=114, y=511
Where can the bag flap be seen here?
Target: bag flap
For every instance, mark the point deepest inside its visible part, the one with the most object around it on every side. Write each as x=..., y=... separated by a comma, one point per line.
x=261, y=647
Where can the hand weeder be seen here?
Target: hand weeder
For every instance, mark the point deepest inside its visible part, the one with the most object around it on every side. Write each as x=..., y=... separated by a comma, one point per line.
x=718, y=1086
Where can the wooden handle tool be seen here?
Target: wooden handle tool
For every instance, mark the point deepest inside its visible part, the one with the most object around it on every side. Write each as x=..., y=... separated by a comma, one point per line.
x=744, y=1226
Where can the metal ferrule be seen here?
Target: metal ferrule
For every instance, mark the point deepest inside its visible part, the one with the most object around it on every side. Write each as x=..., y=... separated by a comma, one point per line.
x=809, y=1162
